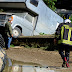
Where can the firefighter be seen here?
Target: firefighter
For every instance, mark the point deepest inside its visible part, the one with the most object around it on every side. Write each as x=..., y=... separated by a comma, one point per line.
x=63, y=37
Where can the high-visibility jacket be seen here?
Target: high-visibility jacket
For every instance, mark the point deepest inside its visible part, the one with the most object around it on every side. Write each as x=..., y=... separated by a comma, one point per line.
x=64, y=33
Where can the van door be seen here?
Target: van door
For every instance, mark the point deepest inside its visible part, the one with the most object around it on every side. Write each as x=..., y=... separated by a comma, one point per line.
x=30, y=22
x=34, y=24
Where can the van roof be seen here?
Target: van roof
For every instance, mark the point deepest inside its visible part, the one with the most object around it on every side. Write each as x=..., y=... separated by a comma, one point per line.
x=6, y=13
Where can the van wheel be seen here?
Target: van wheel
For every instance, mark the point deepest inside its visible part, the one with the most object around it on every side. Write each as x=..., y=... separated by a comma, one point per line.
x=16, y=32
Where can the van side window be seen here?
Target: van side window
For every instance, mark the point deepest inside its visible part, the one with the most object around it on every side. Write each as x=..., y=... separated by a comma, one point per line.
x=29, y=18
x=34, y=2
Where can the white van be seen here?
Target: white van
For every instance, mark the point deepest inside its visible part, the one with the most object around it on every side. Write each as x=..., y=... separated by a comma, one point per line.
x=39, y=19
x=23, y=24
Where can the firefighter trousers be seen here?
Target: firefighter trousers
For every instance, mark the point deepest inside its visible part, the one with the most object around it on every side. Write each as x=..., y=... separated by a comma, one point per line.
x=64, y=51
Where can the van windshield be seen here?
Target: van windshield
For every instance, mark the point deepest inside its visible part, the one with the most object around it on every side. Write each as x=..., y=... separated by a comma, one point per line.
x=2, y=17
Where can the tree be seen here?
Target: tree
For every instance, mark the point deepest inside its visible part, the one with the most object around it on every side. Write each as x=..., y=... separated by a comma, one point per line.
x=1, y=10
x=50, y=4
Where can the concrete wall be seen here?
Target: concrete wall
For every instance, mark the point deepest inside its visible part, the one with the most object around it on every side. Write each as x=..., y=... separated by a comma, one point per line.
x=45, y=42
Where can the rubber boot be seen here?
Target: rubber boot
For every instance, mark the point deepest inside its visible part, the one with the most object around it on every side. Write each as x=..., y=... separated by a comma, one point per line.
x=67, y=63
x=64, y=62
x=63, y=65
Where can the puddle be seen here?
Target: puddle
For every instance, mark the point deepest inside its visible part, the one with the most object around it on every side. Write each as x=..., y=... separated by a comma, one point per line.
x=14, y=62
x=17, y=66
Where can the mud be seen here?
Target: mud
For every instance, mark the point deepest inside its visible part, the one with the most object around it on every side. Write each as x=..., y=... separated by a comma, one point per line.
x=51, y=59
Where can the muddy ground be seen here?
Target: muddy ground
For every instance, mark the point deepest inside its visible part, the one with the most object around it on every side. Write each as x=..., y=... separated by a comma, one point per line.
x=36, y=55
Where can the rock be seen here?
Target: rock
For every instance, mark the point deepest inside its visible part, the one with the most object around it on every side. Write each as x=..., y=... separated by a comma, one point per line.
x=2, y=45
x=3, y=59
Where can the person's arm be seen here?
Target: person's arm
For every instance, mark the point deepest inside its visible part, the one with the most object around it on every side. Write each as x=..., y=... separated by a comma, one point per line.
x=55, y=41
x=10, y=30
x=12, y=35
x=57, y=34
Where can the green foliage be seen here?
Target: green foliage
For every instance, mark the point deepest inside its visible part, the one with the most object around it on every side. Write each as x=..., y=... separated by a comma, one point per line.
x=42, y=33
x=12, y=45
x=44, y=48
x=50, y=4
x=1, y=10
x=71, y=18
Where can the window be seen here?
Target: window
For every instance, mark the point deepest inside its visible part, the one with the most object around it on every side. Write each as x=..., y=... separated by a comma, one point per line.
x=29, y=18
x=2, y=17
x=21, y=14
x=34, y=2
x=8, y=16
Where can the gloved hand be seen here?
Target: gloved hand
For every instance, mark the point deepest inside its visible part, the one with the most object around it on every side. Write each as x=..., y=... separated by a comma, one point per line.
x=55, y=41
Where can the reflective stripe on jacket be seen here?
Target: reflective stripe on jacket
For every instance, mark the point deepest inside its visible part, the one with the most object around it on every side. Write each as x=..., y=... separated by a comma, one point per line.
x=64, y=33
